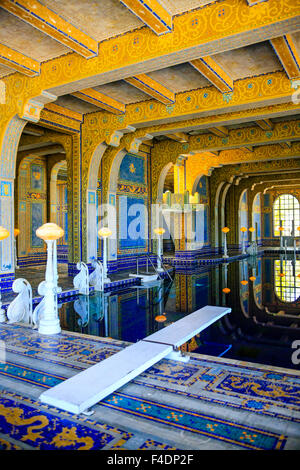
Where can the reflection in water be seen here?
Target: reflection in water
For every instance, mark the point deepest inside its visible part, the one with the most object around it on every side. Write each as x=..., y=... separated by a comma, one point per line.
x=264, y=321
x=287, y=282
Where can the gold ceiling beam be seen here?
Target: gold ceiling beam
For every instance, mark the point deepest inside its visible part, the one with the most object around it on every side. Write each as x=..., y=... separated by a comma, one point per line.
x=146, y=84
x=220, y=131
x=152, y=13
x=102, y=101
x=287, y=53
x=18, y=62
x=265, y=124
x=214, y=73
x=48, y=22
x=178, y=137
x=255, y=2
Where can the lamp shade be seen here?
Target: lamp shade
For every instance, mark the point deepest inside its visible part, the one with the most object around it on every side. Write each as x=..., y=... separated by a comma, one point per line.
x=104, y=232
x=281, y=229
x=225, y=229
x=243, y=229
x=298, y=228
x=4, y=233
x=16, y=232
x=251, y=229
x=160, y=318
x=226, y=290
x=50, y=231
x=244, y=282
x=252, y=278
x=159, y=231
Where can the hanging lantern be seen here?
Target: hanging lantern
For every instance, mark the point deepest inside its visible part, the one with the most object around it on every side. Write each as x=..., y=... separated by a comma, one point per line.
x=16, y=232
x=244, y=282
x=225, y=229
x=252, y=278
x=281, y=274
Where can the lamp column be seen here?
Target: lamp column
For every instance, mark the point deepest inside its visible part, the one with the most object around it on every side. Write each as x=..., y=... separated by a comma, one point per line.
x=49, y=323
x=225, y=230
x=16, y=233
x=105, y=233
x=243, y=230
x=159, y=231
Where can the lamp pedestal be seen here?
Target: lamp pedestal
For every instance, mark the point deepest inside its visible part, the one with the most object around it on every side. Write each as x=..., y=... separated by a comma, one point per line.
x=2, y=311
x=225, y=255
x=105, y=278
x=159, y=252
x=49, y=323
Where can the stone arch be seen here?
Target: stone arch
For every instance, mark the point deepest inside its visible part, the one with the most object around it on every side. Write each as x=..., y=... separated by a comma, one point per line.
x=216, y=214
x=53, y=193
x=91, y=201
x=195, y=184
x=8, y=157
x=161, y=180
x=240, y=234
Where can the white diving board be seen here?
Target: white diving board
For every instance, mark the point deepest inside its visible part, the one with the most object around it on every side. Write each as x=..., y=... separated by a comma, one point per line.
x=90, y=386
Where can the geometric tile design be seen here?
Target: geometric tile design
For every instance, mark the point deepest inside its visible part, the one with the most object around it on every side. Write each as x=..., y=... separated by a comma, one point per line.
x=216, y=428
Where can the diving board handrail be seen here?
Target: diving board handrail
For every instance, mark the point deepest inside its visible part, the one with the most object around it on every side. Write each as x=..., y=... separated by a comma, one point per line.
x=78, y=393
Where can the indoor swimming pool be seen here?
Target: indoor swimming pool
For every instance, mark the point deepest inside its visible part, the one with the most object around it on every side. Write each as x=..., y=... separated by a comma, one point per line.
x=261, y=328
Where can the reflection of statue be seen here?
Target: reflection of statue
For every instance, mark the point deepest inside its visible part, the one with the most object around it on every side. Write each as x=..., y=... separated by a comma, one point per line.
x=82, y=307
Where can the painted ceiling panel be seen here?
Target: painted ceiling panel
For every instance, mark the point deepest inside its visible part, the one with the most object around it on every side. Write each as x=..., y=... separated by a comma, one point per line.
x=180, y=6
x=249, y=61
x=180, y=78
x=122, y=91
x=22, y=37
x=74, y=104
x=99, y=19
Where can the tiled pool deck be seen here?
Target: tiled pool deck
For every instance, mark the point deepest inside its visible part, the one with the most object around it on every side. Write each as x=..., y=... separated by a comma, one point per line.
x=208, y=403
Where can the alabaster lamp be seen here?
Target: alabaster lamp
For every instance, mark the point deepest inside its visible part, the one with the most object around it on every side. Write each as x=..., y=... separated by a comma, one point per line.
x=4, y=233
x=159, y=231
x=16, y=234
x=105, y=233
x=281, y=229
x=252, y=230
x=225, y=230
x=49, y=323
x=243, y=230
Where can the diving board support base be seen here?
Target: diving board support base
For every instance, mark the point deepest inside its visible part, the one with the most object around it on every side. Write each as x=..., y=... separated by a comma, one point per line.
x=178, y=356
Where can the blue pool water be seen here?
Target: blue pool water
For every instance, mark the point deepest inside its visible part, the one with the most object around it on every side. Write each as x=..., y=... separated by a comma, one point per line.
x=263, y=324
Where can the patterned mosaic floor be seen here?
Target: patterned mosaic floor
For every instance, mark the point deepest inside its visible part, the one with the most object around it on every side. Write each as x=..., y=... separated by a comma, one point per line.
x=208, y=403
